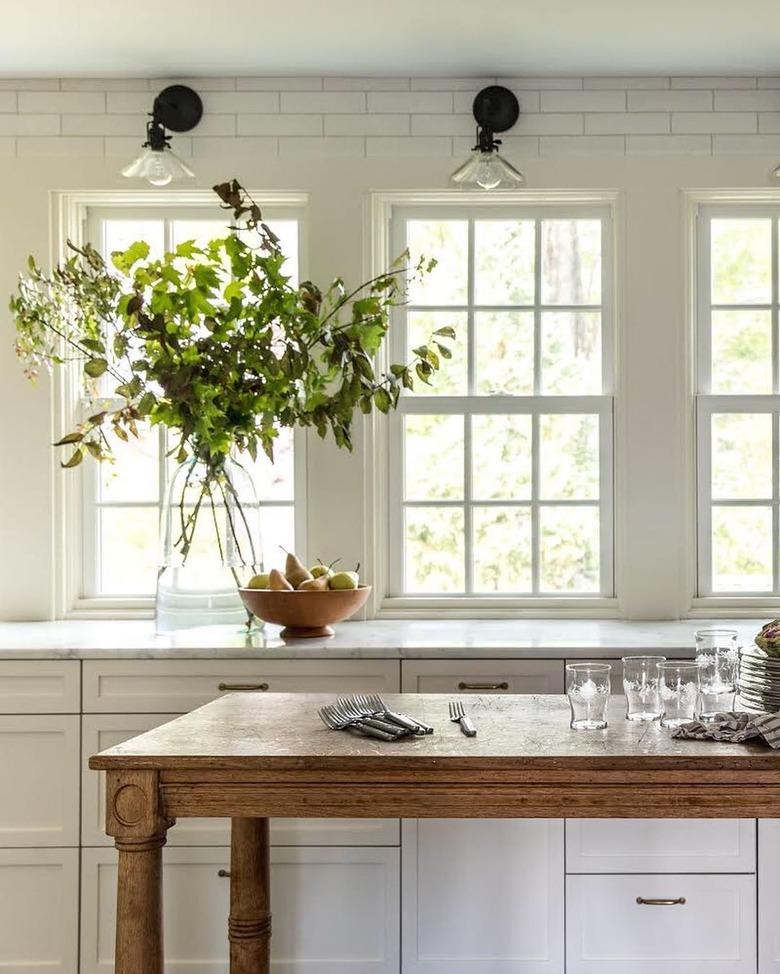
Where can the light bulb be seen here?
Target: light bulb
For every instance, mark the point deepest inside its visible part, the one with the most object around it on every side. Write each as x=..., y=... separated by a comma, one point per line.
x=487, y=175
x=158, y=167
x=488, y=170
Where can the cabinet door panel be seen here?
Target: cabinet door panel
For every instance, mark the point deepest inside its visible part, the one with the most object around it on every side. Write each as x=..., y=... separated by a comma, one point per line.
x=712, y=932
x=39, y=790
x=768, y=896
x=178, y=686
x=482, y=897
x=100, y=731
x=40, y=686
x=718, y=845
x=335, y=911
x=39, y=911
x=482, y=676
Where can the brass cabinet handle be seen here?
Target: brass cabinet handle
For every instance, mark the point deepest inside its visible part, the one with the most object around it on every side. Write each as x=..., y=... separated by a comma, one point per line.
x=225, y=687
x=678, y=901
x=483, y=686
x=223, y=873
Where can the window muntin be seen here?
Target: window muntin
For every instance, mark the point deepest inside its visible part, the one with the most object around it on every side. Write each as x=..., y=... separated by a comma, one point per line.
x=501, y=471
x=738, y=400
x=121, y=502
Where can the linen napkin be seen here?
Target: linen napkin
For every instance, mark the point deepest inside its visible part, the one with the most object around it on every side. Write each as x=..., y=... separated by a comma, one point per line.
x=733, y=726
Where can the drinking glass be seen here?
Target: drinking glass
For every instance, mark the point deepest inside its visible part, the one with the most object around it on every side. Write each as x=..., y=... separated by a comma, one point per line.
x=717, y=655
x=587, y=686
x=642, y=687
x=679, y=692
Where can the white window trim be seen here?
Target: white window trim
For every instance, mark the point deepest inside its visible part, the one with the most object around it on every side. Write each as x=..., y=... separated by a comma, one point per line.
x=69, y=216
x=377, y=504
x=708, y=606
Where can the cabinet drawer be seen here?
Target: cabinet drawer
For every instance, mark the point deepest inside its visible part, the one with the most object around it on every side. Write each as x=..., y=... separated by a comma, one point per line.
x=39, y=911
x=99, y=731
x=712, y=932
x=603, y=845
x=39, y=791
x=335, y=911
x=178, y=686
x=39, y=687
x=482, y=676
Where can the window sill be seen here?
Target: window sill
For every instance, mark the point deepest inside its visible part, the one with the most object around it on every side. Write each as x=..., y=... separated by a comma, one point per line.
x=497, y=607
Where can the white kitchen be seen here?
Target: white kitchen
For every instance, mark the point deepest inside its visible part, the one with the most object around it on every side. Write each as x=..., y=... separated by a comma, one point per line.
x=390, y=525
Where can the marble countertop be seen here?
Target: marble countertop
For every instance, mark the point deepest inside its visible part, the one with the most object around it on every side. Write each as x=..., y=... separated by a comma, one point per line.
x=380, y=639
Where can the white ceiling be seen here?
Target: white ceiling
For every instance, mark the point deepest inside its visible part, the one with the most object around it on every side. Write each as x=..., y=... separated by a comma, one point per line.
x=388, y=37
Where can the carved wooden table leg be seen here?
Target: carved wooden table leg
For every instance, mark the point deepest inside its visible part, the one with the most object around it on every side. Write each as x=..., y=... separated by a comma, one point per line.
x=249, y=926
x=133, y=817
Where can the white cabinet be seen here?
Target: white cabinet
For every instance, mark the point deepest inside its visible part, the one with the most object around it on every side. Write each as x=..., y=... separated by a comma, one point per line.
x=671, y=845
x=39, y=792
x=712, y=932
x=335, y=911
x=100, y=731
x=769, y=896
x=482, y=676
x=482, y=896
x=40, y=686
x=178, y=686
x=39, y=909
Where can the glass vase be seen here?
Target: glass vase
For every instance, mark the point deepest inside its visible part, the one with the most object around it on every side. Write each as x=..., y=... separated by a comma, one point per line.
x=209, y=545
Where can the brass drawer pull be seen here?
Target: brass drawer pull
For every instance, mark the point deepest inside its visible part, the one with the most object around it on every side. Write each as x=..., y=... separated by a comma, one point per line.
x=223, y=873
x=233, y=687
x=483, y=686
x=679, y=901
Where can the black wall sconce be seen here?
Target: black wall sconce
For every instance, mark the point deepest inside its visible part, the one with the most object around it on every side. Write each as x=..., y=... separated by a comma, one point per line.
x=496, y=110
x=179, y=109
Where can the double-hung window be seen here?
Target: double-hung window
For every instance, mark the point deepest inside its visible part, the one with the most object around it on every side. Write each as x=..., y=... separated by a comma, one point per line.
x=738, y=400
x=117, y=533
x=501, y=469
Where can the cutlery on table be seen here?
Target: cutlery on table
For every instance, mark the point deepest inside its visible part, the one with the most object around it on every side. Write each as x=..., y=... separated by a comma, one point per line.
x=458, y=716
x=350, y=710
x=377, y=704
x=337, y=721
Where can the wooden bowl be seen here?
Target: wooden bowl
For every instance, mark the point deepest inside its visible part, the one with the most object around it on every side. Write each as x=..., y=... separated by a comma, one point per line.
x=304, y=614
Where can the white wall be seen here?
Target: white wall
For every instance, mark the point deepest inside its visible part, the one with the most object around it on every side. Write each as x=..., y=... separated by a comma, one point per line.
x=654, y=529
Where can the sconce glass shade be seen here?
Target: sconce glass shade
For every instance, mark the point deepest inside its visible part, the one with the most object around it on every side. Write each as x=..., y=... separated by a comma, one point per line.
x=158, y=167
x=487, y=170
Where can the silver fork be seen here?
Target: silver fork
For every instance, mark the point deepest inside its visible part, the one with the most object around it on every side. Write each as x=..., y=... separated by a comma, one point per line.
x=458, y=716
x=336, y=721
x=352, y=709
x=374, y=701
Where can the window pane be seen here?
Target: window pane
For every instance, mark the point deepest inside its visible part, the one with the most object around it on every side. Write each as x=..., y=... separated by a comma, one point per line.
x=569, y=457
x=433, y=451
x=742, y=351
x=742, y=549
x=569, y=549
x=504, y=261
x=571, y=262
x=277, y=528
x=434, y=549
x=134, y=474
x=452, y=377
x=571, y=353
x=741, y=260
x=502, y=549
x=274, y=481
x=504, y=346
x=447, y=242
x=742, y=455
x=127, y=550
x=501, y=457
x=119, y=234
x=201, y=231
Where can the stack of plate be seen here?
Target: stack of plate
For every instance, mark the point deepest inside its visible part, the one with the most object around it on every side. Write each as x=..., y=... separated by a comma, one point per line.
x=759, y=679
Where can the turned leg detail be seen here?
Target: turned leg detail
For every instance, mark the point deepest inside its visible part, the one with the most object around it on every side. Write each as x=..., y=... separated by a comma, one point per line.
x=139, y=829
x=249, y=924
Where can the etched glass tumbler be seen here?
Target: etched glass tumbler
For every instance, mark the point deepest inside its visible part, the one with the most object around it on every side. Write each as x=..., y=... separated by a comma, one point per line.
x=679, y=692
x=641, y=685
x=587, y=686
x=717, y=654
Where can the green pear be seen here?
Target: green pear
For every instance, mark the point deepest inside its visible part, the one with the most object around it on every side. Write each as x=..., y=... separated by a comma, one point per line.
x=344, y=580
x=278, y=582
x=320, y=571
x=295, y=572
x=259, y=581
x=319, y=584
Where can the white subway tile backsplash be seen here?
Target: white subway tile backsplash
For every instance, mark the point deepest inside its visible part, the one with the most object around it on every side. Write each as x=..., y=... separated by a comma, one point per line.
x=58, y=146
x=242, y=146
x=331, y=147
x=371, y=124
x=424, y=102
x=102, y=125
x=395, y=147
x=30, y=124
x=669, y=101
x=200, y=84
x=235, y=102
x=366, y=84
x=453, y=84
x=323, y=101
x=626, y=123
x=7, y=146
x=138, y=103
x=697, y=82
x=279, y=84
x=550, y=123
x=583, y=101
x=29, y=84
x=769, y=122
x=747, y=101
x=636, y=83
x=552, y=146
x=746, y=145
x=279, y=124
x=773, y=82
x=46, y=102
x=105, y=84
x=714, y=122
x=538, y=82
x=442, y=125
x=668, y=145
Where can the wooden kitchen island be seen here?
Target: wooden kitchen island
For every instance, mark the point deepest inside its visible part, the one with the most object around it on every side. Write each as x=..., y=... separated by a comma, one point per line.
x=252, y=756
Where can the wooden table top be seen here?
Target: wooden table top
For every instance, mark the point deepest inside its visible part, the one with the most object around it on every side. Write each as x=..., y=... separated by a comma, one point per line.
x=282, y=731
